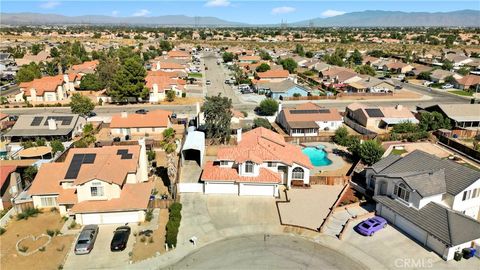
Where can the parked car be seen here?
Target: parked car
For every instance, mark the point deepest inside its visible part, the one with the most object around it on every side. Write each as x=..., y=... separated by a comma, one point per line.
x=120, y=238
x=370, y=226
x=447, y=86
x=117, y=139
x=91, y=114
x=246, y=91
x=141, y=111
x=86, y=239
x=208, y=82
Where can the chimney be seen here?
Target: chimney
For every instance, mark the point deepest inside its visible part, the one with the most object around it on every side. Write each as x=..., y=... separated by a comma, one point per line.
x=197, y=107
x=143, y=160
x=124, y=114
x=239, y=135
x=52, y=125
x=155, y=90
x=279, y=107
x=65, y=78
x=399, y=107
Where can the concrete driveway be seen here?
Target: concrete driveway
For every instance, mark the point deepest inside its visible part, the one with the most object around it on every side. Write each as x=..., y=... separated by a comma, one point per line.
x=101, y=257
x=396, y=250
x=214, y=217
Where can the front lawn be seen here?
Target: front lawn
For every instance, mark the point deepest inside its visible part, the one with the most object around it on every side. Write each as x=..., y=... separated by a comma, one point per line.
x=195, y=75
x=50, y=257
x=398, y=152
x=461, y=93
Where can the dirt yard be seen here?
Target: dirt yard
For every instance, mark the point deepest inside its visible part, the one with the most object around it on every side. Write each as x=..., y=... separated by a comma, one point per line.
x=399, y=94
x=53, y=255
x=147, y=249
x=183, y=101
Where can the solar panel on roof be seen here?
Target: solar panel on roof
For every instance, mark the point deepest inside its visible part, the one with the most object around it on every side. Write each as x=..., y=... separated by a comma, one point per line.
x=124, y=154
x=65, y=120
x=127, y=156
x=374, y=112
x=77, y=161
x=89, y=158
x=36, y=121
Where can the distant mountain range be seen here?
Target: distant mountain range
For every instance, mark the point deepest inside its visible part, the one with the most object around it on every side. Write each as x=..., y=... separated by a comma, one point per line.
x=376, y=18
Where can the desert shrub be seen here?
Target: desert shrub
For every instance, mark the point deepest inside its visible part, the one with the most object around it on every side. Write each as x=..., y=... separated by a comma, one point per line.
x=29, y=212
x=149, y=215
x=2, y=230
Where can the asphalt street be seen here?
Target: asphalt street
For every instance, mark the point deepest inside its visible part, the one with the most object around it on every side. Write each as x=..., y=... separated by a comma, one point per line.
x=266, y=252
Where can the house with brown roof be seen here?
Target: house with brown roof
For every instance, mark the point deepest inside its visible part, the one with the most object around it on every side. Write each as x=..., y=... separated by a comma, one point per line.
x=308, y=119
x=151, y=123
x=468, y=82
x=274, y=75
x=439, y=75
x=259, y=163
x=249, y=58
x=375, y=117
x=339, y=75
x=397, y=67
x=96, y=185
x=48, y=88
x=178, y=55
x=159, y=82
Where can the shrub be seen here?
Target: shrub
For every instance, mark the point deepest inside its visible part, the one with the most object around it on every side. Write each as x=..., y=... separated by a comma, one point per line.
x=2, y=230
x=60, y=267
x=150, y=240
x=51, y=233
x=72, y=225
x=60, y=249
x=149, y=215
x=173, y=223
x=23, y=249
x=184, y=95
x=29, y=212
x=261, y=122
x=143, y=239
x=268, y=107
x=245, y=114
x=42, y=249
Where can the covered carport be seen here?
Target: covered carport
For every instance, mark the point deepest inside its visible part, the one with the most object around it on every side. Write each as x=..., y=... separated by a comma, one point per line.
x=194, y=147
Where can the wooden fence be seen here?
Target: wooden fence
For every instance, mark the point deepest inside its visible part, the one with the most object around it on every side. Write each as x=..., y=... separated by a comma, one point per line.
x=359, y=128
x=474, y=154
x=329, y=180
x=159, y=203
x=307, y=139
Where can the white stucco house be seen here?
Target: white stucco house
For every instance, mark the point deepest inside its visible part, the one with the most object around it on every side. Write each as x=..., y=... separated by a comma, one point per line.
x=48, y=88
x=150, y=123
x=259, y=163
x=105, y=185
x=435, y=201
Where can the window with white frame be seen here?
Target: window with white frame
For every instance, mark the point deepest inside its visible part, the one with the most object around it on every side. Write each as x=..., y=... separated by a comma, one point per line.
x=249, y=167
x=223, y=162
x=96, y=190
x=471, y=194
x=48, y=201
x=298, y=173
x=271, y=164
x=402, y=192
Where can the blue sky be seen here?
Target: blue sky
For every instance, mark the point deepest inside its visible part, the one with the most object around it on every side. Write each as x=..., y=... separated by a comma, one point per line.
x=241, y=11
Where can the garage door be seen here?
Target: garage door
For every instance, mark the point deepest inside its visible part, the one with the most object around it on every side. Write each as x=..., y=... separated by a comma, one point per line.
x=111, y=218
x=257, y=190
x=221, y=188
x=387, y=214
x=411, y=229
x=436, y=245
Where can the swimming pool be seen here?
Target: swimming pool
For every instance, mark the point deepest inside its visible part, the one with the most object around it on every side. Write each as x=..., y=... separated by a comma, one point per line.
x=317, y=156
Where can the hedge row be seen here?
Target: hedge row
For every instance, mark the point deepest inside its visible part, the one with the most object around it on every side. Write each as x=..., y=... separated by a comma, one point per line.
x=173, y=223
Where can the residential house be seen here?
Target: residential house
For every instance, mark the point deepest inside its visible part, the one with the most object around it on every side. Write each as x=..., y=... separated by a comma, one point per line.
x=159, y=85
x=461, y=116
x=468, y=82
x=277, y=75
x=375, y=117
x=103, y=185
x=259, y=163
x=370, y=84
x=49, y=88
x=249, y=58
x=397, y=67
x=281, y=90
x=308, y=119
x=458, y=60
x=49, y=126
x=435, y=201
x=151, y=123
x=8, y=67
x=439, y=75
x=178, y=55
x=10, y=185
x=370, y=60
x=87, y=67
x=169, y=67
x=339, y=75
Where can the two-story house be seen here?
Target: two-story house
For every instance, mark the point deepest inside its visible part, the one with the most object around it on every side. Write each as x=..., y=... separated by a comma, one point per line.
x=96, y=185
x=259, y=163
x=435, y=201
x=150, y=123
x=48, y=88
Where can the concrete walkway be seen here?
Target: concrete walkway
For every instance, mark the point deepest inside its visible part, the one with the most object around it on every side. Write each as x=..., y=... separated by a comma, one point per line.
x=338, y=219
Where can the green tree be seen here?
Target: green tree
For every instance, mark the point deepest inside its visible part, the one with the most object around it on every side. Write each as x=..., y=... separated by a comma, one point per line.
x=129, y=81
x=289, y=64
x=447, y=65
x=28, y=73
x=433, y=121
x=91, y=82
x=464, y=71
x=227, y=57
x=341, y=136
x=168, y=142
x=40, y=142
x=265, y=55
x=81, y=104
x=365, y=69
x=36, y=48
x=299, y=50
x=263, y=67
x=334, y=59
x=450, y=79
x=54, y=53
x=268, y=107
x=170, y=95
x=261, y=122
x=165, y=45
x=425, y=75
x=29, y=173
x=218, y=114
x=356, y=57
x=106, y=70
x=57, y=146
x=370, y=152
x=309, y=54
x=97, y=35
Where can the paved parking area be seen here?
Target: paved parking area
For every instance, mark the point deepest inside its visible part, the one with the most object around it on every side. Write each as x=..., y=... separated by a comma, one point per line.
x=101, y=257
x=308, y=207
x=396, y=250
x=191, y=172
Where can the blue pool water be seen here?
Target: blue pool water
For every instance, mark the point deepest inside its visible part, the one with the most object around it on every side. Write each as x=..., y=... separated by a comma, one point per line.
x=317, y=156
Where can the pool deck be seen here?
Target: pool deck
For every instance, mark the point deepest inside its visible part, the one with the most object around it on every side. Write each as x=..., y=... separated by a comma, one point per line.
x=337, y=161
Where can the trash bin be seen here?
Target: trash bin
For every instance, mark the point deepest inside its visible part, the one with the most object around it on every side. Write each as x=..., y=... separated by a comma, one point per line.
x=457, y=256
x=467, y=253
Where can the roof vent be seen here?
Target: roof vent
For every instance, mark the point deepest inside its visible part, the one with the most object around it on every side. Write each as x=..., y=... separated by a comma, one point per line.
x=52, y=125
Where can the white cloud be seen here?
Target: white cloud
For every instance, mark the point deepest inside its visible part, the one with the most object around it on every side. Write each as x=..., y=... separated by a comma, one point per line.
x=331, y=13
x=115, y=13
x=283, y=10
x=49, y=4
x=141, y=13
x=217, y=3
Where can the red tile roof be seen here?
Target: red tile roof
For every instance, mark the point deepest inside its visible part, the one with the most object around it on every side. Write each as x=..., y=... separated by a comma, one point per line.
x=5, y=171
x=88, y=65
x=171, y=65
x=158, y=118
x=213, y=172
x=277, y=73
x=469, y=80
x=42, y=85
x=178, y=54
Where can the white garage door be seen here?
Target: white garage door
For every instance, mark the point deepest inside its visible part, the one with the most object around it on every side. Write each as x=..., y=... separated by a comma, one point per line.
x=387, y=214
x=257, y=190
x=111, y=218
x=411, y=229
x=221, y=188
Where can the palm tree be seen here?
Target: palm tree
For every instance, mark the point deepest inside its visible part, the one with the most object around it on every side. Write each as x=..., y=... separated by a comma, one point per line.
x=169, y=145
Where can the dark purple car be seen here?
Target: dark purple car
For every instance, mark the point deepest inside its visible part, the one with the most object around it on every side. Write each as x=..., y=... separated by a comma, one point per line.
x=370, y=226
